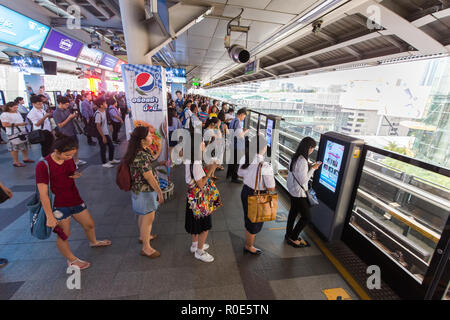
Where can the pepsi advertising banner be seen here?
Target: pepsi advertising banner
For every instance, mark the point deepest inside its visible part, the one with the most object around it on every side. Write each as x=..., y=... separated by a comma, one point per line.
x=62, y=46
x=145, y=89
x=109, y=62
x=21, y=31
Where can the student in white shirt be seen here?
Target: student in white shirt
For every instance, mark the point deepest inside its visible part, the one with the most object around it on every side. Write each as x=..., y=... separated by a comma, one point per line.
x=198, y=227
x=191, y=115
x=247, y=170
x=9, y=118
x=40, y=120
x=300, y=172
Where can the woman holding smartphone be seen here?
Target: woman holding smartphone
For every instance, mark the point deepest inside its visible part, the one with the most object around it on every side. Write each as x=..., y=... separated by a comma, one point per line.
x=59, y=173
x=300, y=172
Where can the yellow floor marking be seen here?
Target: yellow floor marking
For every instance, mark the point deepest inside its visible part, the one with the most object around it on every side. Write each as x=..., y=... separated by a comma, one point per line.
x=280, y=228
x=344, y=273
x=334, y=294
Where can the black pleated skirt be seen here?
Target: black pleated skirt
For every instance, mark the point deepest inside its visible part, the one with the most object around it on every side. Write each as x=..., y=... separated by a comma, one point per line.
x=196, y=226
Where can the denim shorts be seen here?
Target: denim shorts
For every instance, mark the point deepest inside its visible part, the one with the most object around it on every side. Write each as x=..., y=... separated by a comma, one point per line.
x=66, y=212
x=144, y=202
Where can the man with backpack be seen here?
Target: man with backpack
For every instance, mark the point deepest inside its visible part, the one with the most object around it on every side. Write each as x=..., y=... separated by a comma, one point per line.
x=104, y=138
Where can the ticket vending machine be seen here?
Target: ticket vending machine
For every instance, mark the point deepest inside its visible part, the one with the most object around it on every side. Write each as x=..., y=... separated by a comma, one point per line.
x=334, y=181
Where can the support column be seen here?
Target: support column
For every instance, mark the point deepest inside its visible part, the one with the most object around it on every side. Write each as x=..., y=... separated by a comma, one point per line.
x=136, y=33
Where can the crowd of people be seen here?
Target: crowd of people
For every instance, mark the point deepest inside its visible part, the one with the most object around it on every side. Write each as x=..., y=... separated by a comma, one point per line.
x=198, y=115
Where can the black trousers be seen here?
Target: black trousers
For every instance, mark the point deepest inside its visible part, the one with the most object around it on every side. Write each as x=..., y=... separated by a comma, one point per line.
x=46, y=146
x=103, y=146
x=233, y=168
x=116, y=129
x=298, y=205
x=89, y=138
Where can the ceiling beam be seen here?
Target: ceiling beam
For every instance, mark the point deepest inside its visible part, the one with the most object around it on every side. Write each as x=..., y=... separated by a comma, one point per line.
x=99, y=9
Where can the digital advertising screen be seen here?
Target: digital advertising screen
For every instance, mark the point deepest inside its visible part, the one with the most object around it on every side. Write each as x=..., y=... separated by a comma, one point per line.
x=175, y=75
x=33, y=65
x=109, y=62
x=332, y=160
x=62, y=46
x=118, y=67
x=91, y=57
x=2, y=98
x=269, y=131
x=21, y=31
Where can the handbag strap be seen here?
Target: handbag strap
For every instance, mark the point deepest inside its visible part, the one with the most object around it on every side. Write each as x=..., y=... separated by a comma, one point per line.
x=258, y=178
x=306, y=192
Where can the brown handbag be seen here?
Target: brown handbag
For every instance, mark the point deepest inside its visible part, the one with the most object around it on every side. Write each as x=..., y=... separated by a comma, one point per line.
x=262, y=207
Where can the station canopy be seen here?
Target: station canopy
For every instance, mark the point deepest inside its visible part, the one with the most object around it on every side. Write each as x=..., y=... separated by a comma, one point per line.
x=288, y=37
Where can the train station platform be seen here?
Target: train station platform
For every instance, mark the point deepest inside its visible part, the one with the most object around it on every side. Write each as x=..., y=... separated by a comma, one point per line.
x=36, y=270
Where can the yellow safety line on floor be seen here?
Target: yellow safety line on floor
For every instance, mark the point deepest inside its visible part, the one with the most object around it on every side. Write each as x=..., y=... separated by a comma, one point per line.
x=341, y=269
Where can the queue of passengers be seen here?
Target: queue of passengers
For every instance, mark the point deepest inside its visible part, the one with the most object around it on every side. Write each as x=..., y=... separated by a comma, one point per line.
x=59, y=172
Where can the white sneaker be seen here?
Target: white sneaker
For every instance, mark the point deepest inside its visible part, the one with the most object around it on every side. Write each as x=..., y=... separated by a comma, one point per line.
x=108, y=165
x=114, y=161
x=194, y=248
x=204, y=256
x=80, y=162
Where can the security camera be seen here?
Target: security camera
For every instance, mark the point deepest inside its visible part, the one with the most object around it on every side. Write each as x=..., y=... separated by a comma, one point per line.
x=317, y=25
x=238, y=54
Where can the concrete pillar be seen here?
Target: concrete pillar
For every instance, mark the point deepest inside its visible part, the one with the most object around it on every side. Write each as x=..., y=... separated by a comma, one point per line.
x=136, y=33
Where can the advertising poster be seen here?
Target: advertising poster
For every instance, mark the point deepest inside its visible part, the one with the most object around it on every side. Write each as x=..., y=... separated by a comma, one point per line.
x=109, y=62
x=145, y=89
x=21, y=31
x=90, y=56
x=62, y=46
x=332, y=161
x=33, y=82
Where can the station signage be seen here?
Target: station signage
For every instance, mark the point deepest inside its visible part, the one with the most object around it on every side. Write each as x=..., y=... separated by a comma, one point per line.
x=20, y=31
x=90, y=56
x=62, y=46
x=109, y=62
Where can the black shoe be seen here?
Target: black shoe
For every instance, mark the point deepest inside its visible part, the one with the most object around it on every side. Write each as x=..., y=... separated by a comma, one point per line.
x=236, y=181
x=256, y=253
x=3, y=262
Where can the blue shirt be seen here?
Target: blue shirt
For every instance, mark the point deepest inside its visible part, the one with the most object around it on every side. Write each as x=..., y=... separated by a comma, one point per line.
x=114, y=112
x=86, y=109
x=179, y=103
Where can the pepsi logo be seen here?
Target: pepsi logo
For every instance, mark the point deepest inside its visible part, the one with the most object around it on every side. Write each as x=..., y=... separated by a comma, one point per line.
x=145, y=82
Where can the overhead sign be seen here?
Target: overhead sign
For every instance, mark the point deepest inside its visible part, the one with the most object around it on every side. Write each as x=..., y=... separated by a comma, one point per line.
x=21, y=31
x=109, y=62
x=62, y=46
x=118, y=67
x=33, y=65
x=175, y=75
x=252, y=67
x=89, y=56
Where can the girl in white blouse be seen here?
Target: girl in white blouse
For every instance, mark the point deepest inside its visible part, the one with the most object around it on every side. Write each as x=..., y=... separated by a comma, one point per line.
x=247, y=170
x=300, y=172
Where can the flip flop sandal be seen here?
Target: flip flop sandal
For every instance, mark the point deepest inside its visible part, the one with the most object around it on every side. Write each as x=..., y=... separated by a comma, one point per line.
x=154, y=255
x=151, y=238
x=304, y=243
x=28, y=161
x=19, y=165
x=102, y=243
x=84, y=266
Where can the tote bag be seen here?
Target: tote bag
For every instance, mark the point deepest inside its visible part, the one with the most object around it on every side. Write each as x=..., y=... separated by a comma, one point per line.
x=203, y=201
x=262, y=207
x=38, y=219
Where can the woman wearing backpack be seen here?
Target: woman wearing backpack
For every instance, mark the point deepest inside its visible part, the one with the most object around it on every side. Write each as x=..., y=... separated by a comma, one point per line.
x=297, y=182
x=60, y=174
x=146, y=195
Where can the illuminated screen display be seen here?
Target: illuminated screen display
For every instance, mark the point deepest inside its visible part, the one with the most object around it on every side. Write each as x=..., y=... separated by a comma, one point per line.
x=32, y=65
x=175, y=75
x=21, y=31
x=2, y=98
x=109, y=62
x=90, y=56
x=62, y=46
x=269, y=131
x=332, y=160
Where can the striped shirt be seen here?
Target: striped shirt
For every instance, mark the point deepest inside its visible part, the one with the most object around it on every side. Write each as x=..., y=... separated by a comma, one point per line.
x=203, y=116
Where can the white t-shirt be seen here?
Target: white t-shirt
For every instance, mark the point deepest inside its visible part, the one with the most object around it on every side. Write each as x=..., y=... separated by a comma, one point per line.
x=197, y=170
x=229, y=116
x=249, y=174
x=12, y=118
x=35, y=115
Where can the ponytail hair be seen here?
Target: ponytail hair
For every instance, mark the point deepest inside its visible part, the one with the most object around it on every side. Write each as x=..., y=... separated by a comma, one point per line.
x=135, y=143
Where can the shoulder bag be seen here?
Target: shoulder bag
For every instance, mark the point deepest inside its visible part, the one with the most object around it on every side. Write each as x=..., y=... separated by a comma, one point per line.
x=38, y=219
x=311, y=196
x=203, y=201
x=36, y=136
x=262, y=207
x=17, y=138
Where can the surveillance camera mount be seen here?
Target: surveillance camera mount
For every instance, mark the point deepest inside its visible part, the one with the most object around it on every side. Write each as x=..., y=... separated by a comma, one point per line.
x=236, y=28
